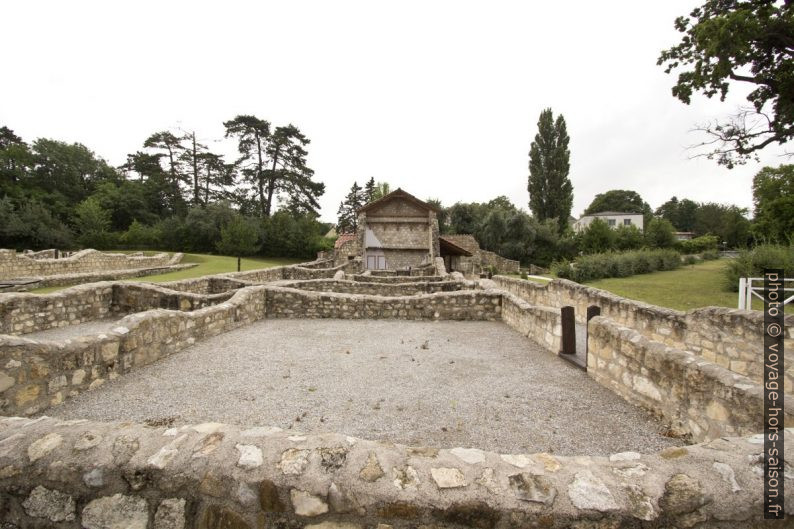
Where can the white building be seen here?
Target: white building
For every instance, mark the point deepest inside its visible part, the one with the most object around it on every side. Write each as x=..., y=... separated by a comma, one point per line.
x=612, y=218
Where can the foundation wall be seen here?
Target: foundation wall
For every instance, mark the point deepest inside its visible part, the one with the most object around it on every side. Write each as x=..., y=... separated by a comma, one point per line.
x=14, y=265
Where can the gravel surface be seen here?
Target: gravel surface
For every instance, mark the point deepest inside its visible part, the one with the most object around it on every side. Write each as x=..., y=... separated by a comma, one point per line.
x=443, y=384
x=73, y=331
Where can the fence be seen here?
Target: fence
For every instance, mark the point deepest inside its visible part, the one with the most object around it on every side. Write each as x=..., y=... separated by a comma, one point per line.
x=750, y=287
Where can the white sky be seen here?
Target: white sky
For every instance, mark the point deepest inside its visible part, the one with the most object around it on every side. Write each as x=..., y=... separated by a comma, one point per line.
x=439, y=98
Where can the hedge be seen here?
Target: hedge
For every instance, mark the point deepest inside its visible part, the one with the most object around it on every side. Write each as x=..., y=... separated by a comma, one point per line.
x=617, y=264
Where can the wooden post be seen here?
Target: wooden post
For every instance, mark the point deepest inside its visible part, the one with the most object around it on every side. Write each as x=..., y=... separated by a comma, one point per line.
x=238, y=264
x=568, y=318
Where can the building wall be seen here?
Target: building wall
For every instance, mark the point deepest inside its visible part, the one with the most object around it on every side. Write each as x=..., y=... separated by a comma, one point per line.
x=405, y=234
x=584, y=222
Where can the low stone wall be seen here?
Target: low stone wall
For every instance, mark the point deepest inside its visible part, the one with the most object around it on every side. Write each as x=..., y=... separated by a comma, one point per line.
x=24, y=313
x=80, y=474
x=378, y=289
x=313, y=270
x=463, y=305
x=540, y=324
x=697, y=397
x=502, y=264
x=14, y=265
x=40, y=373
x=392, y=279
x=206, y=285
x=730, y=338
x=113, y=275
x=35, y=374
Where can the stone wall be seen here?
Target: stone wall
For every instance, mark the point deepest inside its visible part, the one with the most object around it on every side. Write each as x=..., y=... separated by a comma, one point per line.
x=695, y=396
x=540, y=324
x=35, y=374
x=378, y=289
x=14, y=265
x=80, y=474
x=462, y=305
x=25, y=313
x=206, y=285
x=372, y=278
x=730, y=338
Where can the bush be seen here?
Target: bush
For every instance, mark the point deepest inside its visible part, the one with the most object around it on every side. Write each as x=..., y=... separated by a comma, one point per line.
x=700, y=244
x=524, y=274
x=660, y=233
x=141, y=237
x=603, y=265
x=710, y=255
x=690, y=260
x=751, y=263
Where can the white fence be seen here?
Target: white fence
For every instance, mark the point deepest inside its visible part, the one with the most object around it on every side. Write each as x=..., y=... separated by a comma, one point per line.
x=750, y=287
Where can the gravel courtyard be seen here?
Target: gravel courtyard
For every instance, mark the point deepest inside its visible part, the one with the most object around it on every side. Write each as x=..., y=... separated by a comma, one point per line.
x=442, y=384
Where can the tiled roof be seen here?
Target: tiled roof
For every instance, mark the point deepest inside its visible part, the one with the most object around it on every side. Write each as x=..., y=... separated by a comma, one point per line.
x=343, y=238
x=465, y=241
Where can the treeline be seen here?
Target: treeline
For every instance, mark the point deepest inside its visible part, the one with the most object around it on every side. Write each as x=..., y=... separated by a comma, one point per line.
x=174, y=193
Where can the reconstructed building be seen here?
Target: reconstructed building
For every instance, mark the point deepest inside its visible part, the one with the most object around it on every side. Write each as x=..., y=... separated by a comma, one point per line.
x=399, y=231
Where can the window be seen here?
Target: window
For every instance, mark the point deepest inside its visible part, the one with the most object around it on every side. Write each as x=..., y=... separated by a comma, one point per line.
x=611, y=222
x=627, y=222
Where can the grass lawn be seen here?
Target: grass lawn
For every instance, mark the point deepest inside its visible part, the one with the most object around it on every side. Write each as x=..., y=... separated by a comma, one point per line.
x=207, y=264
x=689, y=287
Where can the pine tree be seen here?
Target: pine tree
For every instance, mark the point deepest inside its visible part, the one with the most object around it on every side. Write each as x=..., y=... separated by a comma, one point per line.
x=348, y=210
x=369, y=190
x=550, y=189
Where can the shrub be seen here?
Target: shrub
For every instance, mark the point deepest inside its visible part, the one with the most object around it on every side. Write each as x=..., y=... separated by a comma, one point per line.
x=141, y=237
x=524, y=274
x=710, y=255
x=698, y=244
x=603, y=265
x=690, y=260
x=660, y=233
x=751, y=263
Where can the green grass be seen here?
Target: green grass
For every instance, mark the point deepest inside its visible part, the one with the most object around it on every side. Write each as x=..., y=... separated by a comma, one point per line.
x=689, y=287
x=207, y=264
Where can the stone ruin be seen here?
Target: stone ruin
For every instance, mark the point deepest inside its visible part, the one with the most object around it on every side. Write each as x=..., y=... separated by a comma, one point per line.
x=699, y=371
x=50, y=268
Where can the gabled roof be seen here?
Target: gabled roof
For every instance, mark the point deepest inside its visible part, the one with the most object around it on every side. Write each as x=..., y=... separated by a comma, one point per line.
x=343, y=238
x=463, y=240
x=398, y=193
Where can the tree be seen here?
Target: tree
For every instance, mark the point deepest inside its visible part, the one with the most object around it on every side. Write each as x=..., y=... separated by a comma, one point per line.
x=369, y=190
x=628, y=237
x=597, y=237
x=381, y=190
x=239, y=238
x=348, y=210
x=773, y=200
x=15, y=158
x=252, y=136
x=275, y=162
x=621, y=200
x=170, y=146
x=738, y=41
x=93, y=223
x=727, y=222
x=550, y=189
x=680, y=213
x=660, y=233
x=289, y=173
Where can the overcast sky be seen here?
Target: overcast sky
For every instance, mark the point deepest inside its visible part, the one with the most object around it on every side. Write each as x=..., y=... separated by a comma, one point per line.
x=439, y=98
